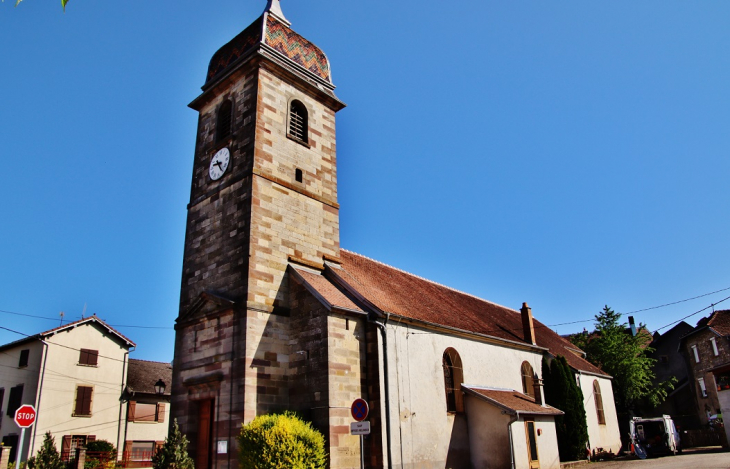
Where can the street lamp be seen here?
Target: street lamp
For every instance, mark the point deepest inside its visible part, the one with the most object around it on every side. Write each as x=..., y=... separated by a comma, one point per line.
x=160, y=387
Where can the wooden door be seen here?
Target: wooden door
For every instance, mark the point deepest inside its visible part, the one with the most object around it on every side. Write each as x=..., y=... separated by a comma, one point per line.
x=532, y=455
x=205, y=434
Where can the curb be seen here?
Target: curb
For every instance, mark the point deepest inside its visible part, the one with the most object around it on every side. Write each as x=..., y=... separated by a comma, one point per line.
x=569, y=464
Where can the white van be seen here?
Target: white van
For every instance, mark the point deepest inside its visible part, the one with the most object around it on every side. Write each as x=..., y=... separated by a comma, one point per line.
x=654, y=436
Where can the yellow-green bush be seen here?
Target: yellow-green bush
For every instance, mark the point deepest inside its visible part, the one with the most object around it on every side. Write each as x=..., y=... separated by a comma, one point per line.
x=280, y=441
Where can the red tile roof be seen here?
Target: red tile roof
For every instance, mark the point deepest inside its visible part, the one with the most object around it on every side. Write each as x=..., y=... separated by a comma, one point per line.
x=400, y=293
x=510, y=400
x=326, y=290
x=720, y=322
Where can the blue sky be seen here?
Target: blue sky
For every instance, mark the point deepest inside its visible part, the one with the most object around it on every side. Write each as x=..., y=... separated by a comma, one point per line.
x=568, y=154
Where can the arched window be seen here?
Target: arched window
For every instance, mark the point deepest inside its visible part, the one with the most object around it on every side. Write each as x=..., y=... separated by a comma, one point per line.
x=224, y=120
x=298, y=121
x=453, y=377
x=528, y=380
x=599, y=403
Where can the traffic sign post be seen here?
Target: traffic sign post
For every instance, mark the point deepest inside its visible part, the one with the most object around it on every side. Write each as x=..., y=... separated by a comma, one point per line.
x=24, y=418
x=360, y=411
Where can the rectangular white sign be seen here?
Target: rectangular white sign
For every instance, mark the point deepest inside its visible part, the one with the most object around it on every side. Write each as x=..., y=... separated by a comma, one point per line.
x=360, y=428
x=222, y=446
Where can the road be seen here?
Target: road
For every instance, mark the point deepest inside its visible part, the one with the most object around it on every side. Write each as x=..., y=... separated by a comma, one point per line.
x=693, y=460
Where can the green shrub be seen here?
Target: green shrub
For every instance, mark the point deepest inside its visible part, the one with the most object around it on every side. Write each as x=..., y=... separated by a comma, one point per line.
x=174, y=453
x=280, y=441
x=100, y=453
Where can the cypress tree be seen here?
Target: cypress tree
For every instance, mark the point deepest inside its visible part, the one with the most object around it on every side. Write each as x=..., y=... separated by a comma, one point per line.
x=562, y=392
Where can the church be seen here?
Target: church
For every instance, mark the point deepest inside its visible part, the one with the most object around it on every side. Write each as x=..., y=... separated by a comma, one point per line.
x=275, y=315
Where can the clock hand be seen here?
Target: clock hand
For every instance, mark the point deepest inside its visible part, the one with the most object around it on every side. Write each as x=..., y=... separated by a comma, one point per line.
x=218, y=163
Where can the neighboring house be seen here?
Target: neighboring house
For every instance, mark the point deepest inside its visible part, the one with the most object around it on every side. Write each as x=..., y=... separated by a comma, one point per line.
x=76, y=377
x=722, y=378
x=275, y=316
x=706, y=348
x=670, y=362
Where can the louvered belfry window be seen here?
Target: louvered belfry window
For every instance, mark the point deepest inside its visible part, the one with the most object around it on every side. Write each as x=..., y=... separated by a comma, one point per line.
x=225, y=120
x=298, y=122
x=599, y=403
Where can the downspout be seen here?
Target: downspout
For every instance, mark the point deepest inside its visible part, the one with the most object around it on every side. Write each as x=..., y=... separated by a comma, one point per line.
x=384, y=333
x=511, y=443
x=38, y=395
x=121, y=405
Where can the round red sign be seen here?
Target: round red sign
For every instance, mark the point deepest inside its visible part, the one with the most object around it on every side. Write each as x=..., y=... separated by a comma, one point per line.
x=25, y=416
x=359, y=410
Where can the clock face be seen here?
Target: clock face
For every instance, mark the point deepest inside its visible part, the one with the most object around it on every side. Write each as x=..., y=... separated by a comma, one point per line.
x=219, y=164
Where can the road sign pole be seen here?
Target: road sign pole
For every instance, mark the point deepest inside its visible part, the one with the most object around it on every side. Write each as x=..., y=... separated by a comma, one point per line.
x=362, y=452
x=20, y=447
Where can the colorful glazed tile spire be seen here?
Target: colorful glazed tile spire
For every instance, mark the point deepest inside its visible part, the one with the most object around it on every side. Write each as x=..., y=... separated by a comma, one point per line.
x=274, y=8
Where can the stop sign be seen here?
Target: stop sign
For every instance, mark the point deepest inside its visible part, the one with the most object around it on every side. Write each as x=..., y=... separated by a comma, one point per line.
x=25, y=416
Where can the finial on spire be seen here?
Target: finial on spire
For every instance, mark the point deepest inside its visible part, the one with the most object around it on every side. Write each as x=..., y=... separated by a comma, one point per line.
x=274, y=8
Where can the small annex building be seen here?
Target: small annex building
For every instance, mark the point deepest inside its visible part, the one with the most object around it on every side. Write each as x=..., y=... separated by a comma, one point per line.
x=275, y=316
x=84, y=387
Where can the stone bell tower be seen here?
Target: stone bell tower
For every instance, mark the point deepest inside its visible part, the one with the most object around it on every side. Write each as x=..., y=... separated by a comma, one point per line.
x=263, y=195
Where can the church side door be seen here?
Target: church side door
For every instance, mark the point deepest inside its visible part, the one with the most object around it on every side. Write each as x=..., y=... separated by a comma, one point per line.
x=532, y=445
x=205, y=437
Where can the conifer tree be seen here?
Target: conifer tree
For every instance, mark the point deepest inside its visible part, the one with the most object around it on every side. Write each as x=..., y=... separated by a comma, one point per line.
x=174, y=453
x=48, y=456
x=562, y=392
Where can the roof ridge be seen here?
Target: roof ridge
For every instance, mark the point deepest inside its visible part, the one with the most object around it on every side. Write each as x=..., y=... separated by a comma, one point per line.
x=149, y=361
x=92, y=318
x=431, y=281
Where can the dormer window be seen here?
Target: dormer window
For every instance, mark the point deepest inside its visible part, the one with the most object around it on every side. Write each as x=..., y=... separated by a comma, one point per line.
x=298, y=122
x=224, y=120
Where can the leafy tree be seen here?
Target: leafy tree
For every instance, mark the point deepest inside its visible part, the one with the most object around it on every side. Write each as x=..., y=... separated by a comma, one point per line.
x=48, y=456
x=174, y=453
x=626, y=358
x=562, y=392
x=281, y=441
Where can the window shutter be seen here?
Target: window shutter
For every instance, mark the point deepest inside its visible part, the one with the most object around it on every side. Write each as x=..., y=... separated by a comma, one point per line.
x=83, y=400
x=90, y=438
x=65, y=447
x=160, y=412
x=2, y=396
x=127, y=455
x=15, y=399
x=130, y=410
x=93, y=357
x=24, y=354
x=88, y=357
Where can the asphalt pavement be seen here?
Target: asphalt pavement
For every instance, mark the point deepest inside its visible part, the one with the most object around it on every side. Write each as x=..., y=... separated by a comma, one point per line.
x=690, y=459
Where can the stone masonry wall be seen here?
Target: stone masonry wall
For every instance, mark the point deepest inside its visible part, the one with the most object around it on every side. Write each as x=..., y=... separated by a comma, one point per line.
x=290, y=219
x=347, y=382
x=708, y=360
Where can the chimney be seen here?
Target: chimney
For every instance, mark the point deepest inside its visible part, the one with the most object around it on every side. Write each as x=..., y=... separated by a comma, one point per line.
x=528, y=328
x=537, y=386
x=632, y=325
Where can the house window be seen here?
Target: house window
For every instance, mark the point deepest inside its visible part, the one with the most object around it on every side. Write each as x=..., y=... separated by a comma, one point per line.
x=70, y=443
x=23, y=362
x=83, y=401
x=453, y=377
x=703, y=389
x=143, y=412
x=15, y=399
x=142, y=450
x=714, y=347
x=88, y=357
x=599, y=403
x=663, y=359
x=696, y=354
x=224, y=120
x=528, y=380
x=298, y=121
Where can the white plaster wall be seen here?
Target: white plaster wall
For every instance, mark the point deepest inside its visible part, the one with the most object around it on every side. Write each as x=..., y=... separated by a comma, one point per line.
x=547, y=443
x=147, y=431
x=606, y=436
x=417, y=398
x=488, y=435
x=12, y=376
x=63, y=374
x=724, y=398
